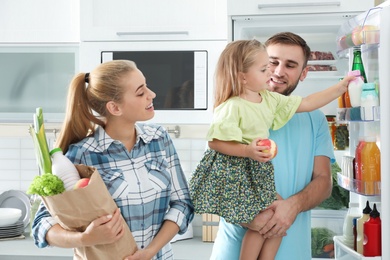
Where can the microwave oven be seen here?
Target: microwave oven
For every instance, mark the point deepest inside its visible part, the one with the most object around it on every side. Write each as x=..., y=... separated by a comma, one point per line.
x=181, y=73
x=179, y=78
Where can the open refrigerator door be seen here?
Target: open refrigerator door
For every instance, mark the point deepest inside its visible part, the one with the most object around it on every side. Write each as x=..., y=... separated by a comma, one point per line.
x=370, y=32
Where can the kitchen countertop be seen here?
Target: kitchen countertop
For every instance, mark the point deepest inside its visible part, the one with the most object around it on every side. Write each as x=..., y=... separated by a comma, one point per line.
x=188, y=249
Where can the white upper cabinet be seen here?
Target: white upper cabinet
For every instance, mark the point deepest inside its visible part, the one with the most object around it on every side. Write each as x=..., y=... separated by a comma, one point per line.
x=255, y=7
x=39, y=21
x=149, y=20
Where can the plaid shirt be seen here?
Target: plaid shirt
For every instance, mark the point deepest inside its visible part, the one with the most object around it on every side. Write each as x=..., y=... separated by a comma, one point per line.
x=147, y=183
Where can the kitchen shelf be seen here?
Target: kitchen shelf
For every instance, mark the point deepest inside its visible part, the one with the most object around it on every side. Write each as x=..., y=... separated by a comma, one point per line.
x=343, y=252
x=359, y=187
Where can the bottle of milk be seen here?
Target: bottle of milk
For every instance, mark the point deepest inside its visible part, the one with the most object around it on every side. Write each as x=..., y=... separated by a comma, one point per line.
x=64, y=168
x=353, y=212
x=355, y=88
x=368, y=101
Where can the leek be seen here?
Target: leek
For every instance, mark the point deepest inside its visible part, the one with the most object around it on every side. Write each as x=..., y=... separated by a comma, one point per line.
x=38, y=134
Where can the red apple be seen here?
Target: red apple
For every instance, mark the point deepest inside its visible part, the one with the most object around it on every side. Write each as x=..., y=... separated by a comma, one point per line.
x=273, y=149
x=81, y=183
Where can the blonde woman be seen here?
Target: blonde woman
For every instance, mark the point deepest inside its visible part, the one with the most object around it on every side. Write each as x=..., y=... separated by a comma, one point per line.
x=137, y=162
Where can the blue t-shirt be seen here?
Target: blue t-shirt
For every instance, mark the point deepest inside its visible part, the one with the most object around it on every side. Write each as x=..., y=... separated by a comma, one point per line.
x=305, y=136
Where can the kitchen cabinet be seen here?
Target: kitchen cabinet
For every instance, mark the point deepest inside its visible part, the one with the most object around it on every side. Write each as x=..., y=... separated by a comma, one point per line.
x=39, y=21
x=37, y=75
x=257, y=7
x=151, y=20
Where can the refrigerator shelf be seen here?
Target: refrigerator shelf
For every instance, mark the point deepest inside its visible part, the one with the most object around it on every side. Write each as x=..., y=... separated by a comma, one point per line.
x=343, y=252
x=372, y=188
x=358, y=114
x=362, y=29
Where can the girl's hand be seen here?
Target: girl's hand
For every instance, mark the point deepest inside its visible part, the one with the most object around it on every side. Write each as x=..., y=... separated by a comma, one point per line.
x=104, y=230
x=254, y=151
x=343, y=84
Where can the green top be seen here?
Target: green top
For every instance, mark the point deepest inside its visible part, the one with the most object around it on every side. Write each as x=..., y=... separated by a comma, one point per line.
x=240, y=120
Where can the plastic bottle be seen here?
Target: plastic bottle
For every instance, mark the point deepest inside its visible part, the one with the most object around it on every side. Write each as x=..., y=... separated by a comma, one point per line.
x=340, y=101
x=347, y=100
x=358, y=165
x=369, y=99
x=64, y=168
x=371, y=166
x=357, y=63
x=372, y=244
x=353, y=212
x=355, y=88
x=359, y=228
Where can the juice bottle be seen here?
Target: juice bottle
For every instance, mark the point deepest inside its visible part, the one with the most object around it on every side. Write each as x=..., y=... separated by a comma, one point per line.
x=371, y=165
x=358, y=165
x=347, y=100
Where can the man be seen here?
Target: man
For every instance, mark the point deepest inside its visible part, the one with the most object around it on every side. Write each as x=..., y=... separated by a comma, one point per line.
x=302, y=166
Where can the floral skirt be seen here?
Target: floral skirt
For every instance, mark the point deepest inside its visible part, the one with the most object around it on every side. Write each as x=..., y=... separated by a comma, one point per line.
x=235, y=188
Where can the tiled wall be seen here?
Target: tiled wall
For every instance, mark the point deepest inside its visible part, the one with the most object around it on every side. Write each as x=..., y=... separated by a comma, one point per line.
x=18, y=164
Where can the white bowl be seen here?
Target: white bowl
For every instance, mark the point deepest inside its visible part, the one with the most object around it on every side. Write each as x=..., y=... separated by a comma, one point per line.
x=9, y=216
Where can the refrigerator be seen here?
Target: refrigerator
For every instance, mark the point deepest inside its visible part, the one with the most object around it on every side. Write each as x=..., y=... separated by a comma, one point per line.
x=321, y=31
x=374, y=46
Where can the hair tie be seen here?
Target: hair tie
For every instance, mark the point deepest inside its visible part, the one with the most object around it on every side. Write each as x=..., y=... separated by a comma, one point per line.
x=86, y=78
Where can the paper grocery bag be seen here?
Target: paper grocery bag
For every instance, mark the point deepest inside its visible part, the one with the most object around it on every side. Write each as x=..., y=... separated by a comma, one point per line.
x=76, y=209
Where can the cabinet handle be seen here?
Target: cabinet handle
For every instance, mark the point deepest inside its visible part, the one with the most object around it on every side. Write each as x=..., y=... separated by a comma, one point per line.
x=335, y=3
x=153, y=33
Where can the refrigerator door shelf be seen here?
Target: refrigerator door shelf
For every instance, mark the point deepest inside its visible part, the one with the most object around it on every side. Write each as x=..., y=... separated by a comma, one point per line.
x=343, y=252
x=372, y=188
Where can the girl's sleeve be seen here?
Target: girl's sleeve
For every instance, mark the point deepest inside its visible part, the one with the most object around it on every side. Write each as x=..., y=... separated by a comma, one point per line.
x=286, y=107
x=226, y=122
x=181, y=209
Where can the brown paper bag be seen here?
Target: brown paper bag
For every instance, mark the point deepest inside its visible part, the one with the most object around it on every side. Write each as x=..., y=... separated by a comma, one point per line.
x=76, y=209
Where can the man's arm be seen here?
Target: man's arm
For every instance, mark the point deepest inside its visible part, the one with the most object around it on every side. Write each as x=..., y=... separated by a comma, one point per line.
x=285, y=211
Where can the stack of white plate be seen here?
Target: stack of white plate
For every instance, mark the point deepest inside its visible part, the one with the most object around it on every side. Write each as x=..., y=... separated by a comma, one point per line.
x=13, y=230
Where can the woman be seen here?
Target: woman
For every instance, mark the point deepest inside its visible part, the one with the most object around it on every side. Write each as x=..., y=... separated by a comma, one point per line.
x=137, y=162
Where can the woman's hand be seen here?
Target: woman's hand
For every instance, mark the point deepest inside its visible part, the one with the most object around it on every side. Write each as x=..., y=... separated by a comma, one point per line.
x=104, y=230
x=142, y=254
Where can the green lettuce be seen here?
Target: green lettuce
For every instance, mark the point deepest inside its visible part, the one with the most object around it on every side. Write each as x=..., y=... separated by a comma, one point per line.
x=46, y=184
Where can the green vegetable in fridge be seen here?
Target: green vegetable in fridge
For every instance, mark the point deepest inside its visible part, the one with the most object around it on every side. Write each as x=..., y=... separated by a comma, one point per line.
x=46, y=184
x=321, y=242
x=340, y=197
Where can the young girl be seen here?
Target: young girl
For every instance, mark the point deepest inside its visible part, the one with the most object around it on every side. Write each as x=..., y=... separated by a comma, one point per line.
x=235, y=178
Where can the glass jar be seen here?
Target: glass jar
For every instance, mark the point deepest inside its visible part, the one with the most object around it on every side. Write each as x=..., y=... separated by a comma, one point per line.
x=341, y=141
x=332, y=126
